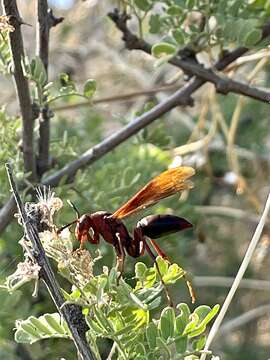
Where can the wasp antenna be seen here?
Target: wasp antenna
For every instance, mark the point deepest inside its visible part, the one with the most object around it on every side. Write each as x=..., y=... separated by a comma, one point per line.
x=74, y=207
x=66, y=226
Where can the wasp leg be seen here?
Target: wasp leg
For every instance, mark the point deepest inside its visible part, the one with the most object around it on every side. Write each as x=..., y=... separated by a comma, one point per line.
x=120, y=253
x=160, y=252
x=150, y=252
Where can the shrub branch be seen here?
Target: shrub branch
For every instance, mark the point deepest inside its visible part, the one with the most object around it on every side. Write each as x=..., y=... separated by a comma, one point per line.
x=223, y=84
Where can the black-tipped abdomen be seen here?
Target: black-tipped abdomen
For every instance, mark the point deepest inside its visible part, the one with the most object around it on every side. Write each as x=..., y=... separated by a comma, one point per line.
x=155, y=226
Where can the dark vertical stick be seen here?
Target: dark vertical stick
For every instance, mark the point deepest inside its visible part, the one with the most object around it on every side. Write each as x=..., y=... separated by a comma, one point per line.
x=45, y=21
x=22, y=87
x=42, y=50
x=71, y=313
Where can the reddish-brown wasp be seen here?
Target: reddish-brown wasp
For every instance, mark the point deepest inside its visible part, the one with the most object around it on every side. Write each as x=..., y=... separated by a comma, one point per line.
x=110, y=226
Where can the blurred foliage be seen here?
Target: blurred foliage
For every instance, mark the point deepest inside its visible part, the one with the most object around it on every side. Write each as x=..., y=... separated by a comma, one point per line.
x=205, y=27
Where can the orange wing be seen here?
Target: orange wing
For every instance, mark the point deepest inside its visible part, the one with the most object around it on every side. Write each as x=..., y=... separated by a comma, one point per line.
x=166, y=184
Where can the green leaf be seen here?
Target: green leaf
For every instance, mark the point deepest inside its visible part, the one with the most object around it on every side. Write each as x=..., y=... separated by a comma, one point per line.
x=154, y=24
x=162, y=345
x=140, y=349
x=174, y=10
x=179, y=36
x=253, y=37
x=234, y=8
x=191, y=326
x=199, y=320
x=35, y=70
x=210, y=315
x=102, y=320
x=181, y=344
x=191, y=4
x=41, y=326
x=202, y=311
x=167, y=323
x=140, y=271
x=184, y=312
x=75, y=295
x=163, y=265
x=180, y=323
x=155, y=303
x=163, y=49
x=30, y=329
x=143, y=5
x=151, y=335
x=64, y=79
x=137, y=301
x=23, y=337
x=175, y=272
x=93, y=325
x=198, y=345
x=89, y=88
x=34, y=329
x=112, y=277
x=54, y=321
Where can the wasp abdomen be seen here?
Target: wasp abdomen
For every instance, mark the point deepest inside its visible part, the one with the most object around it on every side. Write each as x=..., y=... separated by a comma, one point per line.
x=155, y=226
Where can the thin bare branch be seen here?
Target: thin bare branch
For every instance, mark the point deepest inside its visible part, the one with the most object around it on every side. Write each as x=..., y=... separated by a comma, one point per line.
x=115, y=98
x=223, y=281
x=22, y=88
x=238, y=214
x=70, y=312
x=223, y=84
x=251, y=248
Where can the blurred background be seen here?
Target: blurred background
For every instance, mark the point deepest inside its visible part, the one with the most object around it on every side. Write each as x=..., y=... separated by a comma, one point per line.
x=226, y=138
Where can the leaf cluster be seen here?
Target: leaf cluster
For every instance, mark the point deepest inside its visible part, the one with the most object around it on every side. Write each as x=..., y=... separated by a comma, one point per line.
x=200, y=25
x=127, y=315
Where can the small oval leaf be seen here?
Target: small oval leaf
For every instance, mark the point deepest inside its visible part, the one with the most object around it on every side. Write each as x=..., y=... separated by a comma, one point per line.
x=163, y=49
x=167, y=323
x=89, y=88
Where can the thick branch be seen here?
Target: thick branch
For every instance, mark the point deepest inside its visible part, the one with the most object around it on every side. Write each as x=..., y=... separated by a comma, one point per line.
x=71, y=313
x=22, y=87
x=223, y=84
x=114, y=98
x=45, y=20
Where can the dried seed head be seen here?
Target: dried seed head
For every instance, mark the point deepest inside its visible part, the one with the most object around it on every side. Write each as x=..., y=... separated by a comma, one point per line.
x=5, y=25
x=25, y=272
x=41, y=213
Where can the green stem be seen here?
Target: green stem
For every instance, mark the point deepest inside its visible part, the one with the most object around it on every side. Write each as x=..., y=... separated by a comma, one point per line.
x=120, y=348
x=93, y=345
x=65, y=95
x=189, y=353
